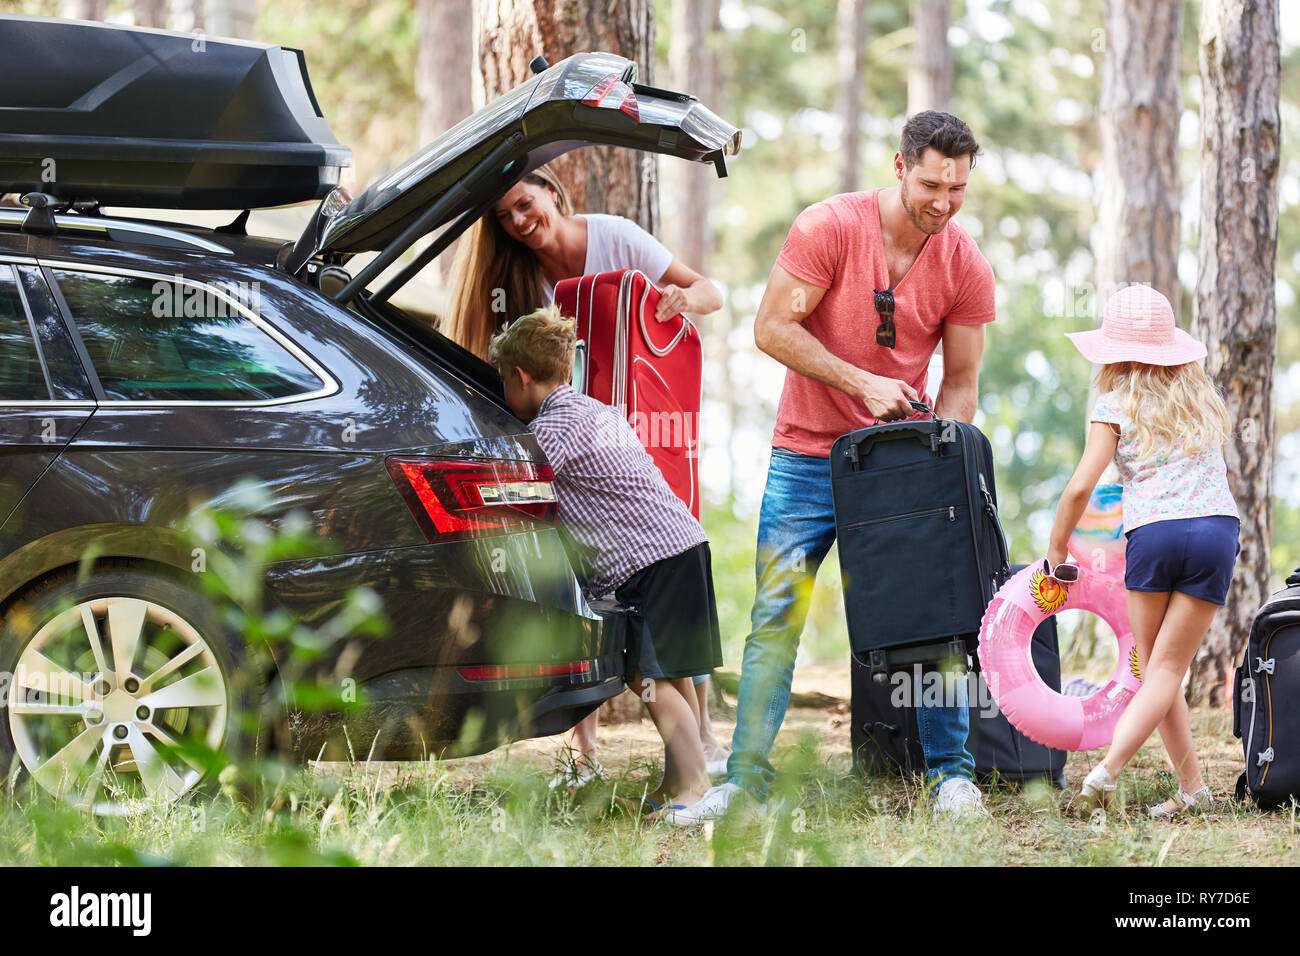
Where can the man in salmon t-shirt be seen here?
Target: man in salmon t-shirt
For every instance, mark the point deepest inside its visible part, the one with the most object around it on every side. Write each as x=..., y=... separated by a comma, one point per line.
x=866, y=287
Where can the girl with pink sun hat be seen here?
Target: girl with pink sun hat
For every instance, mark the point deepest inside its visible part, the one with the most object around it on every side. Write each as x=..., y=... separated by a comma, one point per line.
x=1162, y=421
x=1138, y=326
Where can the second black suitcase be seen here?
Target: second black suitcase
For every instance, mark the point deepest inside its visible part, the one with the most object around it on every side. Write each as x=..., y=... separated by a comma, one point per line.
x=884, y=734
x=921, y=548
x=1264, y=714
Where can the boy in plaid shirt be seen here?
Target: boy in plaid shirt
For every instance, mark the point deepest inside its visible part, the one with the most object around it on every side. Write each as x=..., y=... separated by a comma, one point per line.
x=628, y=533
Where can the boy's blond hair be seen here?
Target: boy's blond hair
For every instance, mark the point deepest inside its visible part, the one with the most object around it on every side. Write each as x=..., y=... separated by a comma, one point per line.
x=541, y=343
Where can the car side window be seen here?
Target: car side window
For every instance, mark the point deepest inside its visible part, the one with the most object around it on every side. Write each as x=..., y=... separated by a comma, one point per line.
x=21, y=375
x=152, y=339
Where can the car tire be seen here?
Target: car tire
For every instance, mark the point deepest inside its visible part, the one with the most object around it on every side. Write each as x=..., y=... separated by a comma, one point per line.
x=113, y=738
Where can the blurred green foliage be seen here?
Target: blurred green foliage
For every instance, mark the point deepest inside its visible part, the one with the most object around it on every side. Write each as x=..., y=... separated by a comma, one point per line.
x=243, y=540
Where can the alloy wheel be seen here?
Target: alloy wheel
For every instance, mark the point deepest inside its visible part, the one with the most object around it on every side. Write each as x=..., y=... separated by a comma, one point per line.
x=114, y=703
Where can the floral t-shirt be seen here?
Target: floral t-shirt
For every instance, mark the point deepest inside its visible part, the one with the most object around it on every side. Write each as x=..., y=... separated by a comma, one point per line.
x=1165, y=486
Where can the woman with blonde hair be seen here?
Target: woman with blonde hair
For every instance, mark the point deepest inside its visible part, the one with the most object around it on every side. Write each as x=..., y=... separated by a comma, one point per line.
x=1162, y=421
x=511, y=260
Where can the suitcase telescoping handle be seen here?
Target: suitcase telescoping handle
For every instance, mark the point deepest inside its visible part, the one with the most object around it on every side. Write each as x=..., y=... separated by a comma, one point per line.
x=856, y=451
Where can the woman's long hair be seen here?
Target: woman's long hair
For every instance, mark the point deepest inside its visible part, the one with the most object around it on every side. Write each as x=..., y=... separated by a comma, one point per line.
x=1170, y=405
x=495, y=278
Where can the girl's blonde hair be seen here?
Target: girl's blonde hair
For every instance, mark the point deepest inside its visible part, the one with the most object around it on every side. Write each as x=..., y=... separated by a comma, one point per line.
x=1170, y=405
x=541, y=343
x=490, y=265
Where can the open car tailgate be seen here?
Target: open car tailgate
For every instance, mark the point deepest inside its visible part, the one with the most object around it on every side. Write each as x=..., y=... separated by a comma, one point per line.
x=587, y=99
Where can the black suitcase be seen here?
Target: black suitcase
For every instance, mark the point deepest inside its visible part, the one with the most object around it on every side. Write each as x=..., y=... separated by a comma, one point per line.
x=1000, y=750
x=1264, y=712
x=884, y=735
x=921, y=549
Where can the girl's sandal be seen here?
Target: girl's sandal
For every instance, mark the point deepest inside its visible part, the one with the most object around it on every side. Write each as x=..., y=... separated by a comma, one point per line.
x=1199, y=802
x=1096, y=790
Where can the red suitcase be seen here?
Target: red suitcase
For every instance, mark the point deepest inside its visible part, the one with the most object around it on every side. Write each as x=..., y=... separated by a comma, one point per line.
x=651, y=371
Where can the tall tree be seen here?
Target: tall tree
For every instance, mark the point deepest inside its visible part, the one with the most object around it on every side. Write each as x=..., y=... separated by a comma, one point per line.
x=444, y=64
x=444, y=70
x=1141, y=103
x=851, y=42
x=693, y=68
x=232, y=18
x=188, y=16
x=1240, y=65
x=691, y=188
x=929, y=81
x=512, y=32
x=84, y=9
x=150, y=13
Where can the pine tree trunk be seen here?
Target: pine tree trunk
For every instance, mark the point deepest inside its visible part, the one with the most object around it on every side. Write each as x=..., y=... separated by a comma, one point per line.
x=150, y=13
x=84, y=9
x=1141, y=103
x=444, y=64
x=851, y=28
x=232, y=18
x=691, y=186
x=1235, y=310
x=188, y=16
x=601, y=179
x=444, y=70
x=929, y=81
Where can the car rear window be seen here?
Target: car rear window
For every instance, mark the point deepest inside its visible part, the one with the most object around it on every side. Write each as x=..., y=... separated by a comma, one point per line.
x=21, y=377
x=151, y=339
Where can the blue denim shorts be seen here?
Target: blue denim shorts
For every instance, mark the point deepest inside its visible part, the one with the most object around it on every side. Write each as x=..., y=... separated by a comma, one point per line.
x=1192, y=555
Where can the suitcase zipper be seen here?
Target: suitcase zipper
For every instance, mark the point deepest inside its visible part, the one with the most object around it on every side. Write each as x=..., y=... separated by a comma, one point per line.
x=1268, y=690
x=972, y=470
x=951, y=511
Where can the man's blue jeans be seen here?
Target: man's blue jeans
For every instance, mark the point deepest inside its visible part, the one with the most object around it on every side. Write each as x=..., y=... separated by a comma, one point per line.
x=796, y=528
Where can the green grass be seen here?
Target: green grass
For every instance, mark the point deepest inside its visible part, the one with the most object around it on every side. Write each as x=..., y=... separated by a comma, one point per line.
x=497, y=811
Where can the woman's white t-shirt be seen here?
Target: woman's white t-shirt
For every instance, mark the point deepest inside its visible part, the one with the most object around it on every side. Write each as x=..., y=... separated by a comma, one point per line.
x=617, y=243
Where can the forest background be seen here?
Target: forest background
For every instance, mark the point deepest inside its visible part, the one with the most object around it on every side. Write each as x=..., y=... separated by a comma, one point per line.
x=1025, y=74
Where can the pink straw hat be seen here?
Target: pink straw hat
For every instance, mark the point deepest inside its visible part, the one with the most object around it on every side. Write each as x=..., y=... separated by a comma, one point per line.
x=1138, y=326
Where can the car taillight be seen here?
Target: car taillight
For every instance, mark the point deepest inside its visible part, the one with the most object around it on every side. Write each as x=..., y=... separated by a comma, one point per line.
x=517, y=671
x=465, y=498
x=613, y=93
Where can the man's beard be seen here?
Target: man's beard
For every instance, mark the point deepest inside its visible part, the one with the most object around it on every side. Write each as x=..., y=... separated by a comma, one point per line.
x=919, y=219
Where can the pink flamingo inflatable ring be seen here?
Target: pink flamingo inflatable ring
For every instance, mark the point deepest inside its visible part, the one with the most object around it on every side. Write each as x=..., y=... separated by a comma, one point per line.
x=1029, y=598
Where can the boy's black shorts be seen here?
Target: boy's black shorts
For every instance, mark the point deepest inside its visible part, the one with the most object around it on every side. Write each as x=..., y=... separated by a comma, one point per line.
x=674, y=616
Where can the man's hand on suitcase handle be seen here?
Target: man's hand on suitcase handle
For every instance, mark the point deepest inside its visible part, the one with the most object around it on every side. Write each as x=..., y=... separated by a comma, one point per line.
x=887, y=399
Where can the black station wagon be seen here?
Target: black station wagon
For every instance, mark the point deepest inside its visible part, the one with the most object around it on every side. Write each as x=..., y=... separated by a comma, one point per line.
x=147, y=368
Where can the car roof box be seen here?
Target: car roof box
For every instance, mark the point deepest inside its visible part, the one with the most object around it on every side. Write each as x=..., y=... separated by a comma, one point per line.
x=127, y=116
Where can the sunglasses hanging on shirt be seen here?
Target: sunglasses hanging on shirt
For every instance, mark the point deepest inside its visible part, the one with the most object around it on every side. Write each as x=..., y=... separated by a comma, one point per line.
x=886, y=334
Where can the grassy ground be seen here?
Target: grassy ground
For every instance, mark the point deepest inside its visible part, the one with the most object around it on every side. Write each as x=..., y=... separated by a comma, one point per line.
x=497, y=810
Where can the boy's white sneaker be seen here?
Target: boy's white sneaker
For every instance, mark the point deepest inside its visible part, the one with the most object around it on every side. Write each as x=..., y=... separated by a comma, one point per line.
x=958, y=797
x=711, y=806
